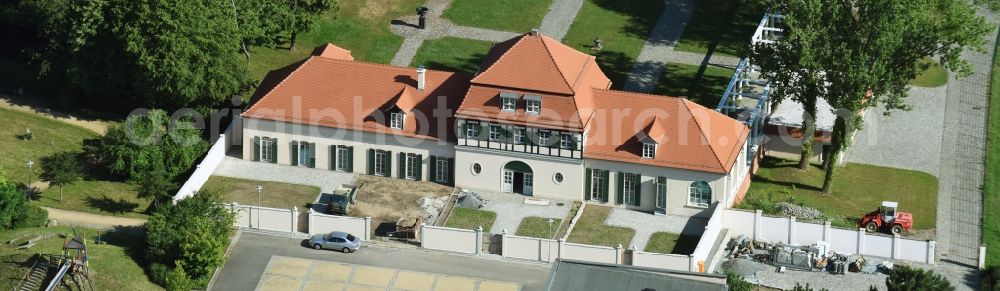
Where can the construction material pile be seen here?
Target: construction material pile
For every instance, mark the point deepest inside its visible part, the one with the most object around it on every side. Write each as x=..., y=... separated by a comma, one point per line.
x=802, y=213
x=745, y=256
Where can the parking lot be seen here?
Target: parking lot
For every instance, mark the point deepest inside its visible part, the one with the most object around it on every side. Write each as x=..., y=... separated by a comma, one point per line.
x=285, y=273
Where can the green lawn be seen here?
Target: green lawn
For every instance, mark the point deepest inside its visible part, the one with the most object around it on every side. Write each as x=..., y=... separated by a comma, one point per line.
x=538, y=227
x=508, y=15
x=727, y=25
x=360, y=26
x=471, y=219
x=672, y=243
x=95, y=193
x=857, y=189
x=590, y=229
x=703, y=87
x=452, y=54
x=114, y=266
x=622, y=25
x=274, y=194
x=933, y=76
x=991, y=187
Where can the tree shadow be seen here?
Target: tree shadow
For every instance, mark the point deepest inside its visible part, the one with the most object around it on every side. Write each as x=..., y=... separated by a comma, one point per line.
x=641, y=18
x=110, y=205
x=130, y=238
x=788, y=184
x=468, y=64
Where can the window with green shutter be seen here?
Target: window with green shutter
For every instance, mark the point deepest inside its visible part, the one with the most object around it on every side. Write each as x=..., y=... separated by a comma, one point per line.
x=620, y=193
x=587, y=191
x=350, y=159
x=256, y=148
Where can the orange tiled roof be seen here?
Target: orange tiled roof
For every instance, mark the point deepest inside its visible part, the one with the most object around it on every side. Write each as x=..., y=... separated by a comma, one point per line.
x=688, y=135
x=538, y=65
x=357, y=95
x=333, y=52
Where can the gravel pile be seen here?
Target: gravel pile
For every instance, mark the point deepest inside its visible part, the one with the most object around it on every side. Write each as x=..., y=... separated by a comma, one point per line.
x=432, y=206
x=802, y=213
x=746, y=267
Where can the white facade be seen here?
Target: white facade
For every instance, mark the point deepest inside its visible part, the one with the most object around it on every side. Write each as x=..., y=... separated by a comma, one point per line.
x=544, y=183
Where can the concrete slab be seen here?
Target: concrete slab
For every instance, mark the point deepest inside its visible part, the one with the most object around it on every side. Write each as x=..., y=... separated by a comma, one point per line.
x=289, y=267
x=279, y=283
x=497, y=286
x=331, y=272
x=406, y=280
x=322, y=286
x=448, y=283
x=372, y=276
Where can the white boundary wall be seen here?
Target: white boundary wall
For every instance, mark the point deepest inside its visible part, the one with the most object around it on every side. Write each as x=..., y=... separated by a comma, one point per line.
x=547, y=250
x=265, y=218
x=451, y=239
x=789, y=231
x=589, y=253
x=663, y=261
x=712, y=230
x=207, y=166
x=323, y=223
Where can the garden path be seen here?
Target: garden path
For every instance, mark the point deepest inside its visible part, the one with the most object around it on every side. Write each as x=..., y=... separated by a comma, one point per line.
x=89, y=219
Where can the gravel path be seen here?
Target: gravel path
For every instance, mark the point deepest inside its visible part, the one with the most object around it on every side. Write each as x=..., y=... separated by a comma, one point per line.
x=326, y=180
x=510, y=210
x=659, y=48
x=645, y=224
x=26, y=104
x=555, y=24
x=960, y=204
x=919, y=131
x=64, y=217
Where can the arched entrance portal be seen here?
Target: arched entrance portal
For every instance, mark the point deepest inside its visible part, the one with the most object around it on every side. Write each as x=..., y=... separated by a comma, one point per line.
x=517, y=178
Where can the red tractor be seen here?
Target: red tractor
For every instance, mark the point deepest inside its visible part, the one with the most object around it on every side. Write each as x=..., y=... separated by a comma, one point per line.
x=886, y=217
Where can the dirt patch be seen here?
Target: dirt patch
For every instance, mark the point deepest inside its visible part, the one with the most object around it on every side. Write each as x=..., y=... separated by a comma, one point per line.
x=97, y=126
x=388, y=199
x=374, y=9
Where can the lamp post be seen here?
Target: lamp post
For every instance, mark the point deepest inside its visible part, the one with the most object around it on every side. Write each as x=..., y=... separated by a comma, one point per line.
x=550, y=227
x=259, y=188
x=29, y=163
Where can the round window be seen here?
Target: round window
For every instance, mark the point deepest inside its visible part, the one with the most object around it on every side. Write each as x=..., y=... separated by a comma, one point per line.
x=476, y=168
x=558, y=177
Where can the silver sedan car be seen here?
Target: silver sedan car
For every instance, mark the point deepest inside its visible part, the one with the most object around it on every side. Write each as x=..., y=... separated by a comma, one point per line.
x=337, y=240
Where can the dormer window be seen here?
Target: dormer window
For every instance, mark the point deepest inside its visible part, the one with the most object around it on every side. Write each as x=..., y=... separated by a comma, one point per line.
x=508, y=101
x=396, y=120
x=648, y=150
x=533, y=103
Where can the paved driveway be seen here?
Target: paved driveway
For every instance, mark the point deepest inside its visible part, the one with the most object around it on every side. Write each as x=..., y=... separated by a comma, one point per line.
x=252, y=252
x=906, y=139
x=294, y=274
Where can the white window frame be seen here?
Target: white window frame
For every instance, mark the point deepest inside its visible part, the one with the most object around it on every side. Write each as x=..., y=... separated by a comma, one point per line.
x=566, y=141
x=628, y=188
x=266, y=146
x=543, y=137
x=380, y=158
x=304, y=151
x=696, y=196
x=495, y=132
x=396, y=120
x=342, y=153
x=442, y=170
x=533, y=106
x=411, y=166
x=519, y=134
x=648, y=150
x=597, y=184
x=508, y=103
x=472, y=129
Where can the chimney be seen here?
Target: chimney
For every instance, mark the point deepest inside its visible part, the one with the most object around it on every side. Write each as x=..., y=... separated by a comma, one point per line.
x=421, y=78
x=534, y=32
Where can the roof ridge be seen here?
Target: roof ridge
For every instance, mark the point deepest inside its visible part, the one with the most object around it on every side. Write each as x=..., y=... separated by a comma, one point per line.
x=552, y=58
x=282, y=82
x=702, y=132
x=504, y=54
x=641, y=94
x=384, y=65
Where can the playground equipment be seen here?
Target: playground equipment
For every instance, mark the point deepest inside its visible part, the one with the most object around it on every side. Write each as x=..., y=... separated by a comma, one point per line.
x=73, y=261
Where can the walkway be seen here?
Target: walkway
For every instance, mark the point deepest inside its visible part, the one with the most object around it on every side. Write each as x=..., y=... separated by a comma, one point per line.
x=659, y=48
x=645, y=224
x=555, y=24
x=510, y=210
x=919, y=131
x=960, y=202
x=64, y=217
x=326, y=180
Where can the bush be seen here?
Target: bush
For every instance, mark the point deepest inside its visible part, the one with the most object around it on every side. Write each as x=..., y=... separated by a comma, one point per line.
x=12, y=202
x=177, y=280
x=33, y=216
x=158, y=273
x=904, y=278
x=799, y=287
x=736, y=282
x=988, y=278
x=193, y=233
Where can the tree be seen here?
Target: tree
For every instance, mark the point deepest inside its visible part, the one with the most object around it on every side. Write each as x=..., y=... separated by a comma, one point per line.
x=177, y=279
x=193, y=234
x=736, y=282
x=145, y=143
x=157, y=185
x=793, y=65
x=304, y=14
x=61, y=169
x=12, y=202
x=905, y=278
x=799, y=287
x=144, y=53
x=872, y=49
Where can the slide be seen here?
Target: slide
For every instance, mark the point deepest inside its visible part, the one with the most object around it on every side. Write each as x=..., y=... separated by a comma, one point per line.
x=58, y=278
